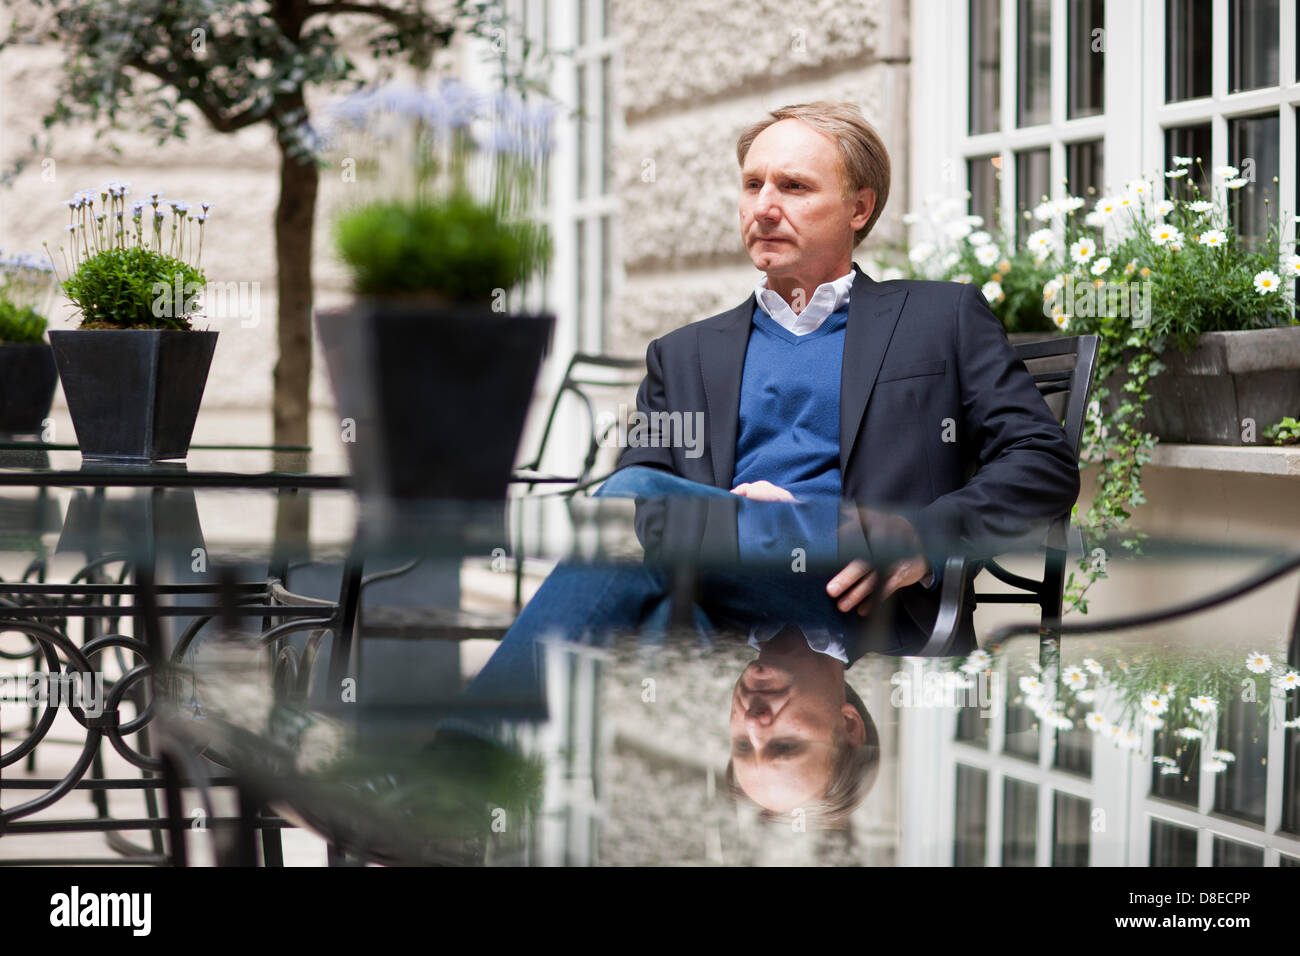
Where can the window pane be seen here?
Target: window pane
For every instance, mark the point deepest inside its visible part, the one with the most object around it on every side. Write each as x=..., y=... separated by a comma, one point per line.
x=1179, y=782
x=1252, y=44
x=1188, y=31
x=1083, y=168
x=1288, y=861
x=1031, y=186
x=972, y=817
x=982, y=173
x=1034, y=62
x=1019, y=822
x=1253, y=149
x=606, y=125
x=1232, y=853
x=1172, y=845
x=606, y=274
x=1086, y=93
x=1070, y=828
x=1239, y=790
x=1193, y=142
x=985, y=78
x=582, y=120
x=580, y=278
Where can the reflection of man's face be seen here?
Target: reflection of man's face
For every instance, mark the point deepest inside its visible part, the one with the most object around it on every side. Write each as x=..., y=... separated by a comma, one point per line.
x=788, y=713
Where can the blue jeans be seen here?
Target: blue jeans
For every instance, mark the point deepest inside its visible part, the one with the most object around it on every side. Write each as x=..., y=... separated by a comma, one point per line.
x=590, y=603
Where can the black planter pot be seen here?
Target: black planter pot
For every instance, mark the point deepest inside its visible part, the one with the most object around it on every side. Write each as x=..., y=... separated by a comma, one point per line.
x=437, y=395
x=133, y=393
x=27, y=381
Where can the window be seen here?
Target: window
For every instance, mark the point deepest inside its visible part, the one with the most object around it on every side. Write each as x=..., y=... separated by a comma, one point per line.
x=972, y=817
x=1086, y=87
x=1019, y=822
x=1070, y=831
x=1084, y=169
x=1033, y=62
x=1189, y=29
x=1230, y=853
x=1253, y=149
x=985, y=82
x=1032, y=170
x=983, y=174
x=1252, y=44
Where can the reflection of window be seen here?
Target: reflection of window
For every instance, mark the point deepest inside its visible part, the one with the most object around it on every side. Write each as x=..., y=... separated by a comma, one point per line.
x=1172, y=845
x=1032, y=171
x=971, y=727
x=1239, y=790
x=1232, y=853
x=1189, y=33
x=1021, y=735
x=982, y=174
x=971, y=817
x=1083, y=169
x=1253, y=149
x=985, y=81
x=1291, y=770
x=1181, y=787
x=1086, y=58
x=1019, y=822
x=1070, y=828
x=1034, y=62
x=1074, y=751
x=1252, y=44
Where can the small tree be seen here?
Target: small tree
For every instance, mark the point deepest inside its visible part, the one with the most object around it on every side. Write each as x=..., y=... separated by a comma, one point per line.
x=131, y=63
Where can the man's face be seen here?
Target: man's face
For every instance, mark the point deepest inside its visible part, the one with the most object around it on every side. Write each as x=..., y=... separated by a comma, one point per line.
x=794, y=218
x=787, y=712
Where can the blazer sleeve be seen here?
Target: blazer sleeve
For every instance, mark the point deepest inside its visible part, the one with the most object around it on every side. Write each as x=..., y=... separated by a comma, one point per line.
x=1026, y=473
x=650, y=398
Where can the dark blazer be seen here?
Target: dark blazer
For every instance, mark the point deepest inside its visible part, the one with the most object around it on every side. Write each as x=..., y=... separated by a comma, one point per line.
x=939, y=420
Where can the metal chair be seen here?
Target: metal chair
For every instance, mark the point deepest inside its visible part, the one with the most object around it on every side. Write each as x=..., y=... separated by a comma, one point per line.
x=1063, y=371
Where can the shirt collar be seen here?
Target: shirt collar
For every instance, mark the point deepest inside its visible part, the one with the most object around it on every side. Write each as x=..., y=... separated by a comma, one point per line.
x=826, y=298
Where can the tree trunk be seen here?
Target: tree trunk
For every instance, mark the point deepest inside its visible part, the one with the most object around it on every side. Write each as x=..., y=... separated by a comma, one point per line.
x=295, y=217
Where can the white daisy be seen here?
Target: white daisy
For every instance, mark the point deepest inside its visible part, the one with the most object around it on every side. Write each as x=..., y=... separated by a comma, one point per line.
x=1288, y=681
x=1106, y=205
x=1189, y=733
x=1256, y=662
x=1074, y=678
x=1155, y=704
x=1164, y=234
x=1100, y=266
x=986, y=255
x=1167, y=771
x=980, y=238
x=1062, y=321
x=1041, y=242
x=1213, y=766
x=1182, y=160
x=1266, y=282
x=1203, y=704
x=920, y=252
x=1095, y=722
x=957, y=230
x=1226, y=172
x=1235, y=183
x=1164, y=207
x=1082, y=250
x=1167, y=761
x=1059, y=721
x=1092, y=666
x=1154, y=722
x=977, y=661
x=1213, y=237
x=1085, y=696
x=1031, y=686
x=993, y=291
x=1175, y=173
x=1227, y=756
x=1200, y=205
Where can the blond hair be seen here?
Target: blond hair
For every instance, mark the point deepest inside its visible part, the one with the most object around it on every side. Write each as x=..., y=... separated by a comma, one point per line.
x=864, y=161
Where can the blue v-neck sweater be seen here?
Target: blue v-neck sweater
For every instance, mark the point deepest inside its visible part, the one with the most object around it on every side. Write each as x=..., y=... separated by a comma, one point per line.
x=789, y=433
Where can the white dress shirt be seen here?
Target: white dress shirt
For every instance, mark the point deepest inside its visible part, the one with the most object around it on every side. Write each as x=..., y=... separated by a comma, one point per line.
x=828, y=297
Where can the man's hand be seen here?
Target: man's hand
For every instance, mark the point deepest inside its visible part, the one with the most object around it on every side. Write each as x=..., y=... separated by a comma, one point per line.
x=762, y=491
x=859, y=582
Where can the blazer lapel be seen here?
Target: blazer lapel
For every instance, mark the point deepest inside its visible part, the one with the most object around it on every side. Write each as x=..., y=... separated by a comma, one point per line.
x=722, y=362
x=873, y=316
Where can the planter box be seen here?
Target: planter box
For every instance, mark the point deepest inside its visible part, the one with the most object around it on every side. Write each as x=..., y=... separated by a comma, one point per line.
x=435, y=397
x=133, y=394
x=27, y=382
x=1204, y=395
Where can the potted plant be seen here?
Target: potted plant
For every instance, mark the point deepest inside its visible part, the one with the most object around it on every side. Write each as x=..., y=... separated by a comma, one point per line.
x=27, y=373
x=432, y=375
x=134, y=371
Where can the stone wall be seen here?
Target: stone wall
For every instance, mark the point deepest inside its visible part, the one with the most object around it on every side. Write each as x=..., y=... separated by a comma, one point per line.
x=694, y=75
